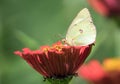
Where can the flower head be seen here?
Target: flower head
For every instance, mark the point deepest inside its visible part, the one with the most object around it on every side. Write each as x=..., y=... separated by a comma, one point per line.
x=92, y=71
x=106, y=7
x=57, y=61
x=106, y=73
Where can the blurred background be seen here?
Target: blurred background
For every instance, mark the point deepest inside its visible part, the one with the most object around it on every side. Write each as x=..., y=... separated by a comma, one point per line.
x=33, y=23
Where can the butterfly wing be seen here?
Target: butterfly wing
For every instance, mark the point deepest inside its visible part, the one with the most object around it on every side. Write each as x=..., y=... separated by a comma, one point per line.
x=82, y=30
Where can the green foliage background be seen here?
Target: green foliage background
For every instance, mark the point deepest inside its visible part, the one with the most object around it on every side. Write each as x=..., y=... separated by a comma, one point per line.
x=33, y=23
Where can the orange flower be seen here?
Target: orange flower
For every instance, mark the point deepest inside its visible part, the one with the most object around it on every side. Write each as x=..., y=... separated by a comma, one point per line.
x=58, y=61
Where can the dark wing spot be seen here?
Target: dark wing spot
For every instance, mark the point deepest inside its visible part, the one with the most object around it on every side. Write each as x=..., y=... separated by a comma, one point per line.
x=81, y=31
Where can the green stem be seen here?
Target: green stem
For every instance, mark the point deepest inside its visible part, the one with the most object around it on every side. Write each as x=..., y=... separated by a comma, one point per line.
x=60, y=80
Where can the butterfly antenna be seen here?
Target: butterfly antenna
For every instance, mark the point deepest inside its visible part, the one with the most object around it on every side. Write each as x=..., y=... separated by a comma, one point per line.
x=61, y=37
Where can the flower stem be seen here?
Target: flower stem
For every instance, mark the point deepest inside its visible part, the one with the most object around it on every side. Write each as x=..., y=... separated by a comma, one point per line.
x=60, y=80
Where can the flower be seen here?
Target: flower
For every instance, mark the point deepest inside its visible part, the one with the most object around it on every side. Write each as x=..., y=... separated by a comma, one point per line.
x=106, y=7
x=58, y=61
x=106, y=73
x=92, y=71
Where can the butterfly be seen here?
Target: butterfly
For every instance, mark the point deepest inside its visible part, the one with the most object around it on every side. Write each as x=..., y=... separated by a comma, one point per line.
x=82, y=31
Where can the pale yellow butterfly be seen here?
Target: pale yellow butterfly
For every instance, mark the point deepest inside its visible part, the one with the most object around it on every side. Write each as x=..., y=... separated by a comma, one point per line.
x=82, y=30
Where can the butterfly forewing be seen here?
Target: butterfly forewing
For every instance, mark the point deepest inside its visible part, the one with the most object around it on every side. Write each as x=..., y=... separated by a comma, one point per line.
x=82, y=30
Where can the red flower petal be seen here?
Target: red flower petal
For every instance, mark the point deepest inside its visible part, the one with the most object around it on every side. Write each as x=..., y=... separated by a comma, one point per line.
x=56, y=61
